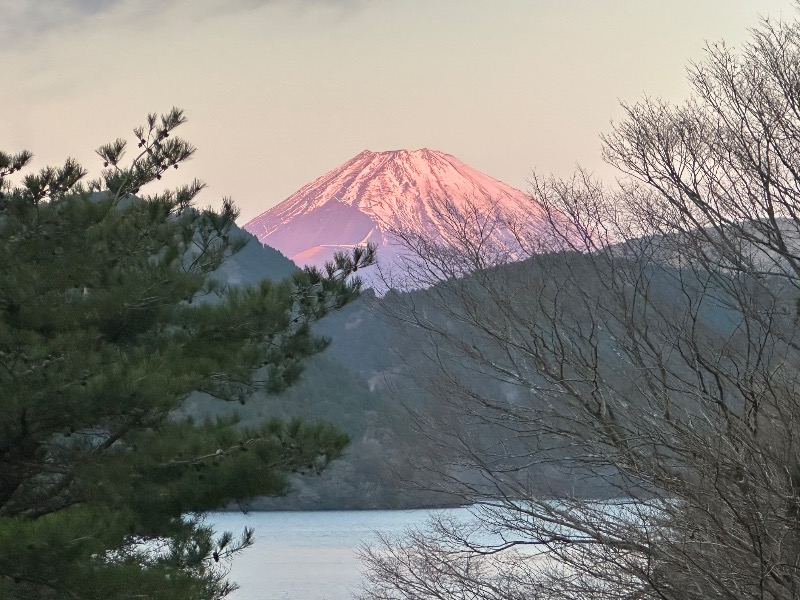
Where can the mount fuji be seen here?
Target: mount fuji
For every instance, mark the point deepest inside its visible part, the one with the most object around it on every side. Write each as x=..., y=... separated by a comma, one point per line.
x=375, y=195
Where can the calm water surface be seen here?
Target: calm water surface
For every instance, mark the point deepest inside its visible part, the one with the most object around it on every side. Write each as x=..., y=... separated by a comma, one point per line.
x=308, y=555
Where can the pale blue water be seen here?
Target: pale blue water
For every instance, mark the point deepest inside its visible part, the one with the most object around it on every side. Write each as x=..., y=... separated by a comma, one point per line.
x=308, y=555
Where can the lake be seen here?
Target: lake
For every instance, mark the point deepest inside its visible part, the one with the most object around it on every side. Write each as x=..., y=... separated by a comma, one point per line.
x=308, y=555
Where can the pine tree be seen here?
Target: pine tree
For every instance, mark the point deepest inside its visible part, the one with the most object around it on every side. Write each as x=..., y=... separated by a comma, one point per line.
x=105, y=328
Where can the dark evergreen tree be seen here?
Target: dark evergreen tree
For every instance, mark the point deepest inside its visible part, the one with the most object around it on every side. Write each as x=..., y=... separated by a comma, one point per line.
x=105, y=328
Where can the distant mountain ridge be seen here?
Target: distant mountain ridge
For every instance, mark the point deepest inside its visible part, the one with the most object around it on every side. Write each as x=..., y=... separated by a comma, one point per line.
x=253, y=262
x=377, y=193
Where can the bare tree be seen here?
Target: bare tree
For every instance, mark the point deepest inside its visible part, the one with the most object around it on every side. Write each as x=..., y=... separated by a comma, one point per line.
x=624, y=412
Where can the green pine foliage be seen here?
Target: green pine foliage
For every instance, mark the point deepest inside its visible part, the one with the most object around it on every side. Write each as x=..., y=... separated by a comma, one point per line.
x=107, y=322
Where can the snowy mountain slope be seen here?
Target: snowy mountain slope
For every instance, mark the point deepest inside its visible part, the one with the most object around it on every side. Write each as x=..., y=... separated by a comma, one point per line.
x=376, y=194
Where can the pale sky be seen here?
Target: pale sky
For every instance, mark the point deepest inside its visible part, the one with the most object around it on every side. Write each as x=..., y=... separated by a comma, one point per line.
x=280, y=91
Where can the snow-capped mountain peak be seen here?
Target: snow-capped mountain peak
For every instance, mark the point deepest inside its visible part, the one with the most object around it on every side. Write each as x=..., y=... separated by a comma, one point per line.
x=375, y=194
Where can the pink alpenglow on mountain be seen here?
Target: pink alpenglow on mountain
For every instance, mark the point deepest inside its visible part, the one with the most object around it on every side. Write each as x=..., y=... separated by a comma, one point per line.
x=381, y=197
